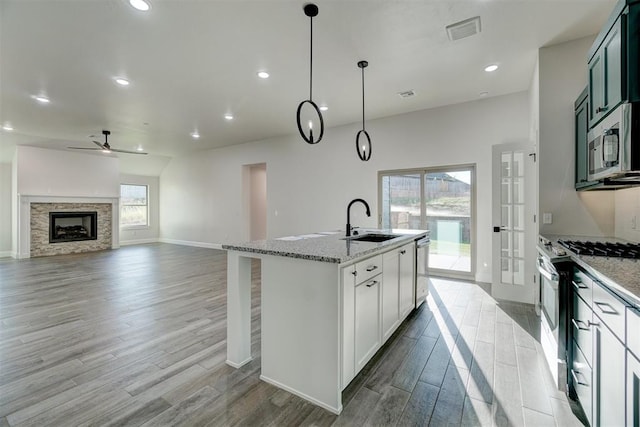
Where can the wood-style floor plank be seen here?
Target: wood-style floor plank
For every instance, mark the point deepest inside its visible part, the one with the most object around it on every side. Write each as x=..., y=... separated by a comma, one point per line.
x=137, y=336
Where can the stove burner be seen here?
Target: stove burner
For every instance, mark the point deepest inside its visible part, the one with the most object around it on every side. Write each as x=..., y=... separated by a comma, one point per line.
x=609, y=249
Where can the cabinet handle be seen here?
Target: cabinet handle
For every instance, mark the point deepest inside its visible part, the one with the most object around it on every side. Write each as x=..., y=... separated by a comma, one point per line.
x=576, y=380
x=577, y=324
x=579, y=285
x=372, y=267
x=373, y=282
x=402, y=252
x=355, y=273
x=607, y=310
x=601, y=109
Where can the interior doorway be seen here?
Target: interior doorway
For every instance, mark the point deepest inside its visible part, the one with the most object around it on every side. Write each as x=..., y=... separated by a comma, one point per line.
x=255, y=201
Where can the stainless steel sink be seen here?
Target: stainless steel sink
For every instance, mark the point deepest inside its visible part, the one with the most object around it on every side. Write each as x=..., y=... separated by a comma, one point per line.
x=373, y=237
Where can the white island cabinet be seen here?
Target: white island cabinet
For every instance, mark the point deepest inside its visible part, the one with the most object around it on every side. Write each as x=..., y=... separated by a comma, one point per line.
x=327, y=306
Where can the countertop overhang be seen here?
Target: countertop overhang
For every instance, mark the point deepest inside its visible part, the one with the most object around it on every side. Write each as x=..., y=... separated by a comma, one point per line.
x=621, y=275
x=327, y=246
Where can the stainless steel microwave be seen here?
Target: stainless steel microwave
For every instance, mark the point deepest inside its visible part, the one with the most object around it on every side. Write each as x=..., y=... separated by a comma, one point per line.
x=614, y=147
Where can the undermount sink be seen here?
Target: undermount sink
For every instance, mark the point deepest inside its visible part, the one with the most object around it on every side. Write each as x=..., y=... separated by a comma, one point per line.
x=373, y=237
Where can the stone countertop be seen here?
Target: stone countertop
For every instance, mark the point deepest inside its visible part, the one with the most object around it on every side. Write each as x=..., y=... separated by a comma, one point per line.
x=326, y=246
x=622, y=275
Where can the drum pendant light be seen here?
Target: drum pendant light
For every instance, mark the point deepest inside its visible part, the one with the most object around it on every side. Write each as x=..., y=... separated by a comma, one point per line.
x=363, y=140
x=310, y=10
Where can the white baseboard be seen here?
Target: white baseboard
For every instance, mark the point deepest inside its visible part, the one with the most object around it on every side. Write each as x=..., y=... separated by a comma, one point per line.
x=302, y=395
x=8, y=254
x=238, y=365
x=137, y=242
x=191, y=243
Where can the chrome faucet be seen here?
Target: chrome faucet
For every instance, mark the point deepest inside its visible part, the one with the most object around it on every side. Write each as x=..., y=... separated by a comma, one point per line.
x=349, y=213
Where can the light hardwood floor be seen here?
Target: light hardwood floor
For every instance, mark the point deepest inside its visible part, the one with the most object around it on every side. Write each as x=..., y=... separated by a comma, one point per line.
x=137, y=336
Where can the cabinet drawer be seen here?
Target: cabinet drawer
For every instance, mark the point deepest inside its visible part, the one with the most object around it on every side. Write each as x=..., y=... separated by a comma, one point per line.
x=609, y=309
x=633, y=331
x=581, y=375
x=365, y=270
x=582, y=285
x=581, y=327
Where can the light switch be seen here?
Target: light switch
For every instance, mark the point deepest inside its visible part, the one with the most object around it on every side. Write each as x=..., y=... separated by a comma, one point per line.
x=547, y=218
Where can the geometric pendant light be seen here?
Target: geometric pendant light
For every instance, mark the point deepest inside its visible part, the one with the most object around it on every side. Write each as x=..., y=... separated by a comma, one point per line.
x=363, y=140
x=310, y=10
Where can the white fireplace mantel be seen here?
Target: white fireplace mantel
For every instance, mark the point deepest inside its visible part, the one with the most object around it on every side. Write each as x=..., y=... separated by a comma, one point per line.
x=24, y=218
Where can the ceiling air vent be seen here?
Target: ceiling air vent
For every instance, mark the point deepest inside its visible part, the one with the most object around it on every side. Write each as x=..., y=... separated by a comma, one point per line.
x=407, y=94
x=468, y=27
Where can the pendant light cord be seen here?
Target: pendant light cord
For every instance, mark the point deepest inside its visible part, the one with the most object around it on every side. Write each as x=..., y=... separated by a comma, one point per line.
x=311, y=60
x=363, y=98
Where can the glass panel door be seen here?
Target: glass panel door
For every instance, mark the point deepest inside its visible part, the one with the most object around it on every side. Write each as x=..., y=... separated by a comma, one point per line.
x=513, y=213
x=447, y=196
x=401, y=201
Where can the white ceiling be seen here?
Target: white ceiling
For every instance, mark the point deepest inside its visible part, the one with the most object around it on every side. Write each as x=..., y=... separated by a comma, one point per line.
x=192, y=61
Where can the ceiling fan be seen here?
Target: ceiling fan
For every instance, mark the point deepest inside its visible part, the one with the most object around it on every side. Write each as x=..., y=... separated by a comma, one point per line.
x=106, y=148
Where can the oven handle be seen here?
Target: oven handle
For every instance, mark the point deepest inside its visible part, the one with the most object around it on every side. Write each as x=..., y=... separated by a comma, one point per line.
x=549, y=275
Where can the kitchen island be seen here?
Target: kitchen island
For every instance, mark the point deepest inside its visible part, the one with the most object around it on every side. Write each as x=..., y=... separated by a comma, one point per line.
x=328, y=304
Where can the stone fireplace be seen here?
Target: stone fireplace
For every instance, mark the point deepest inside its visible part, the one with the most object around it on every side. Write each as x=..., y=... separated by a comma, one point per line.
x=51, y=225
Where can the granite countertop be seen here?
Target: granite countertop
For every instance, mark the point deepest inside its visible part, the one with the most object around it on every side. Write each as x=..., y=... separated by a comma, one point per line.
x=326, y=246
x=622, y=275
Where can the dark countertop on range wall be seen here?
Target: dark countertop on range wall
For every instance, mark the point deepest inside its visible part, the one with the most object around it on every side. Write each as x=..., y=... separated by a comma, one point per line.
x=622, y=275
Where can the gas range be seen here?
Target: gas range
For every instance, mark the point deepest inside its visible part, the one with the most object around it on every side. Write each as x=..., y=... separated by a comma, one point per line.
x=608, y=249
x=551, y=251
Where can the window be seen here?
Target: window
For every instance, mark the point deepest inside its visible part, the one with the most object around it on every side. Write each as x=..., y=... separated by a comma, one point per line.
x=436, y=199
x=134, y=205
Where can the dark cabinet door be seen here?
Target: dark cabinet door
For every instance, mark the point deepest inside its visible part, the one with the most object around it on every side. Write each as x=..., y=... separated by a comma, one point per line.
x=581, y=142
x=606, y=73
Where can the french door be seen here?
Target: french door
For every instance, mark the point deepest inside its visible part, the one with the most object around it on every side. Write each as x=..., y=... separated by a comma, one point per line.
x=440, y=199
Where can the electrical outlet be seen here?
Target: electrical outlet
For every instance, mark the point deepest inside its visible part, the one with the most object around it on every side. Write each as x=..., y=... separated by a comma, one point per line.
x=547, y=218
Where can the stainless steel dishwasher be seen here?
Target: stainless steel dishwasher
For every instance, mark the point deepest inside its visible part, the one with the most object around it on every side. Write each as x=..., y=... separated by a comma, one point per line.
x=422, y=269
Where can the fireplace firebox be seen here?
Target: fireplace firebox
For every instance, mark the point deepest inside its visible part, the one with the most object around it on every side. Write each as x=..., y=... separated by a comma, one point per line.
x=72, y=226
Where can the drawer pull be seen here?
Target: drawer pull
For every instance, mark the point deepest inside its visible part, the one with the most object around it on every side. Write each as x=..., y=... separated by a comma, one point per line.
x=402, y=252
x=355, y=273
x=607, y=308
x=579, y=285
x=576, y=380
x=577, y=324
x=372, y=267
x=373, y=282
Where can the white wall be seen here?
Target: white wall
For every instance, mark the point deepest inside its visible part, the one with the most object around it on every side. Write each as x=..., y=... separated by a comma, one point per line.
x=44, y=172
x=5, y=209
x=628, y=214
x=258, y=202
x=562, y=76
x=130, y=236
x=309, y=187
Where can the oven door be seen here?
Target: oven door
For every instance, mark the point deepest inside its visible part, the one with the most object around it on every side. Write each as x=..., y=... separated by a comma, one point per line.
x=549, y=298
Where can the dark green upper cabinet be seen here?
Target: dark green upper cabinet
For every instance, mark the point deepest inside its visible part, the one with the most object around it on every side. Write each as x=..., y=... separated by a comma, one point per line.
x=581, y=143
x=606, y=73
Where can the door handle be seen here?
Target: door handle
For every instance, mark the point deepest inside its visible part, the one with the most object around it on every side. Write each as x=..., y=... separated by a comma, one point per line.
x=373, y=282
x=402, y=252
x=577, y=323
x=601, y=109
x=499, y=229
x=372, y=267
x=579, y=285
x=576, y=380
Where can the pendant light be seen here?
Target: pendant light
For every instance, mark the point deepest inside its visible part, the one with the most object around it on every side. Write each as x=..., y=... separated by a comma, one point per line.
x=310, y=10
x=363, y=140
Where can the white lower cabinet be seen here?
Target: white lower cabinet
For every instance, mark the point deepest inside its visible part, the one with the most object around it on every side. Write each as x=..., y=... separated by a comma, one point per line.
x=633, y=390
x=367, y=320
x=390, y=293
x=406, y=278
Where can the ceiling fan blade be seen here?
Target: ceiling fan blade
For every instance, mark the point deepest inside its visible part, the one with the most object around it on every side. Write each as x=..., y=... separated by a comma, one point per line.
x=85, y=148
x=127, y=151
x=99, y=145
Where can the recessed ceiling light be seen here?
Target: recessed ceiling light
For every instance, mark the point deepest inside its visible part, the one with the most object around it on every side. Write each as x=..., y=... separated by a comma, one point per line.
x=323, y=108
x=195, y=135
x=228, y=116
x=141, y=5
x=490, y=68
x=41, y=99
x=7, y=127
x=263, y=74
x=140, y=148
x=483, y=94
x=121, y=81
